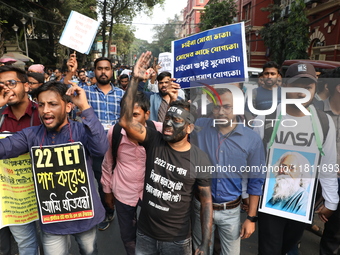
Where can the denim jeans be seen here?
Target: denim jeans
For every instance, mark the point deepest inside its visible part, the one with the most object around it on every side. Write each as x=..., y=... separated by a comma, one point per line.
x=26, y=237
x=228, y=223
x=60, y=244
x=146, y=245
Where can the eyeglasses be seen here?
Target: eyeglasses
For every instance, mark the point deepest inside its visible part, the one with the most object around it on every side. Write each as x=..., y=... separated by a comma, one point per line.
x=10, y=83
x=226, y=108
x=32, y=83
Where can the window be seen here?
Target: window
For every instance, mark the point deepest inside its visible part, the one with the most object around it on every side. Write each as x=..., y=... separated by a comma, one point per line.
x=246, y=11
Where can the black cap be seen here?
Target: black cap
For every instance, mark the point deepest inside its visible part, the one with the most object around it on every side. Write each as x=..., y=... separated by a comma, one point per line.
x=301, y=70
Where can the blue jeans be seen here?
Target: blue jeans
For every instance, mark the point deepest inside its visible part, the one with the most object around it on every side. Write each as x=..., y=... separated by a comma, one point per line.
x=228, y=223
x=60, y=244
x=26, y=237
x=146, y=245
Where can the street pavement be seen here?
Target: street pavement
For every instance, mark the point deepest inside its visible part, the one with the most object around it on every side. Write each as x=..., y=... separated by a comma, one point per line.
x=109, y=242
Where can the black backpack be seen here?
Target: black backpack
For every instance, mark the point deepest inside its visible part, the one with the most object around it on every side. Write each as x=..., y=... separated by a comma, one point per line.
x=117, y=138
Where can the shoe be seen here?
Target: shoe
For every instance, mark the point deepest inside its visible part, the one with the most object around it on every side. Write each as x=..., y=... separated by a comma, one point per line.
x=110, y=216
x=103, y=225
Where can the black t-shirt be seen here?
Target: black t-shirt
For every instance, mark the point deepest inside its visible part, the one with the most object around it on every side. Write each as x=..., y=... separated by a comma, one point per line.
x=170, y=178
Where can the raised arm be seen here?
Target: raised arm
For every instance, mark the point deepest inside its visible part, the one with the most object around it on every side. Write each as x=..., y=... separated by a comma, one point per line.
x=72, y=65
x=134, y=129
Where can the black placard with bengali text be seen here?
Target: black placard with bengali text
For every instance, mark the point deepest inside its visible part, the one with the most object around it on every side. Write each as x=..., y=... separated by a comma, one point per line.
x=61, y=182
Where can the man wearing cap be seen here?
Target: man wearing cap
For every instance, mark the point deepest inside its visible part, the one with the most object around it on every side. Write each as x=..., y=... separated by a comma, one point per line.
x=164, y=225
x=92, y=78
x=278, y=235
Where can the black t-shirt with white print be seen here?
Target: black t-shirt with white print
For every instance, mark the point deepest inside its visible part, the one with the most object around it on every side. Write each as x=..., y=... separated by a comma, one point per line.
x=170, y=179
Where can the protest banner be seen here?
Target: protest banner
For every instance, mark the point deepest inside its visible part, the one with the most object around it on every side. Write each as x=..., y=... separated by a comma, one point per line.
x=17, y=196
x=214, y=56
x=290, y=187
x=79, y=32
x=61, y=182
x=165, y=58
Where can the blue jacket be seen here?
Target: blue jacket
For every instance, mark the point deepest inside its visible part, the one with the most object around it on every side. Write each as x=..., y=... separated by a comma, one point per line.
x=93, y=137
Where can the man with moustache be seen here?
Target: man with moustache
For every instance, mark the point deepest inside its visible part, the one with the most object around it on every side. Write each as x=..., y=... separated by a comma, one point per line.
x=19, y=113
x=105, y=99
x=290, y=194
x=279, y=235
x=263, y=95
x=159, y=102
x=53, y=106
x=170, y=177
x=230, y=144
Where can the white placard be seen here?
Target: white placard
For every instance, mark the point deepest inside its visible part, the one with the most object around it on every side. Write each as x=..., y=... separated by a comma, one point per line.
x=165, y=58
x=79, y=32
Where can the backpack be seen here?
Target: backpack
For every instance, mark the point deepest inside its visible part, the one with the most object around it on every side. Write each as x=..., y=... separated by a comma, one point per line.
x=268, y=129
x=117, y=138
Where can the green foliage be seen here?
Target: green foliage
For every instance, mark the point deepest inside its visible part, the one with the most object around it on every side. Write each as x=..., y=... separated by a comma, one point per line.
x=165, y=34
x=123, y=37
x=218, y=13
x=287, y=38
x=49, y=20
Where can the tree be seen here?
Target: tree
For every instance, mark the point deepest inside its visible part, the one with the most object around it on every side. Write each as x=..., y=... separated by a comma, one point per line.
x=48, y=21
x=123, y=10
x=165, y=34
x=287, y=38
x=123, y=38
x=218, y=13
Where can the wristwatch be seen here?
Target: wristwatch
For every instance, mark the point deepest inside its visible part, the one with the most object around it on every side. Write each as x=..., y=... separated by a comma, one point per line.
x=252, y=218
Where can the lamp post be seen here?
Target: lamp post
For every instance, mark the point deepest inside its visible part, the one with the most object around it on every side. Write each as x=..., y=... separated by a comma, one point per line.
x=23, y=21
x=31, y=14
x=15, y=28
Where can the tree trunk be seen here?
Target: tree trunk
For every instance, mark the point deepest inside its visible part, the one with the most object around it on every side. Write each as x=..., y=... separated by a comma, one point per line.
x=109, y=41
x=104, y=27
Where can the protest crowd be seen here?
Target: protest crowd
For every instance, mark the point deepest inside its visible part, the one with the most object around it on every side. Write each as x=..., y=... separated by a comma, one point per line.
x=129, y=144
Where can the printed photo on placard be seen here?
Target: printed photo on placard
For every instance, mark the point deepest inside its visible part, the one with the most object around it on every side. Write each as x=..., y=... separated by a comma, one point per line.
x=290, y=183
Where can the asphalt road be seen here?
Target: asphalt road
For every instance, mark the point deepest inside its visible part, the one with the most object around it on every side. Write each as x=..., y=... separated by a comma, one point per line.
x=109, y=242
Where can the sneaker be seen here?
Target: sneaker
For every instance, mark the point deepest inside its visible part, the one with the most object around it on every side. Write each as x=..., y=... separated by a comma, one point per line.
x=103, y=225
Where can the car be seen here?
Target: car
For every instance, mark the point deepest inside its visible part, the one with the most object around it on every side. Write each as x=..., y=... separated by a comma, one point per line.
x=319, y=65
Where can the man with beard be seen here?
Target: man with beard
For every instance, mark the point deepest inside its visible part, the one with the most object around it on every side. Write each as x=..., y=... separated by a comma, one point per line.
x=82, y=78
x=35, y=80
x=290, y=192
x=159, y=102
x=53, y=106
x=123, y=81
x=19, y=113
x=279, y=235
x=263, y=95
x=170, y=177
x=105, y=99
x=236, y=146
